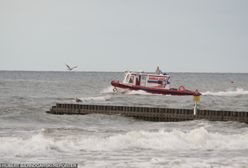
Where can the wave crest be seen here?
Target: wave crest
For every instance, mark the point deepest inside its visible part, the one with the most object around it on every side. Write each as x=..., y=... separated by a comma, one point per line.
x=200, y=138
x=237, y=92
x=97, y=98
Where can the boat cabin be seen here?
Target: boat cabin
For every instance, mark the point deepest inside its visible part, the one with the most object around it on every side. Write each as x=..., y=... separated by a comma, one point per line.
x=147, y=79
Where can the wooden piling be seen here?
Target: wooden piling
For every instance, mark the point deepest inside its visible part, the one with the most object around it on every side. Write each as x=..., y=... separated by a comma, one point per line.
x=150, y=113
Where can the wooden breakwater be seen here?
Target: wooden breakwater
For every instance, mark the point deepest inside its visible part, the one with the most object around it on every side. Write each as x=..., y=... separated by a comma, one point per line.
x=150, y=113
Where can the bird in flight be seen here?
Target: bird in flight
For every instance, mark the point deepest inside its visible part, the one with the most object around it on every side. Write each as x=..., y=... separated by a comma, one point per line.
x=69, y=68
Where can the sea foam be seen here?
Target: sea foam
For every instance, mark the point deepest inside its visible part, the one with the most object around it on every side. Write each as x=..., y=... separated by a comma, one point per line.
x=238, y=91
x=108, y=90
x=96, y=98
x=198, y=139
x=139, y=92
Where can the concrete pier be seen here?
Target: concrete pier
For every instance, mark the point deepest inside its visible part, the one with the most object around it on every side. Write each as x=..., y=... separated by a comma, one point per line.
x=150, y=113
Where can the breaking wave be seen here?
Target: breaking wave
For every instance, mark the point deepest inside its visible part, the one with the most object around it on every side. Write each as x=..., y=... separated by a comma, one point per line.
x=238, y=91
x=125, y=91
x=108, y=90
x=97, y=98
x=138, y=92
x=198, y=138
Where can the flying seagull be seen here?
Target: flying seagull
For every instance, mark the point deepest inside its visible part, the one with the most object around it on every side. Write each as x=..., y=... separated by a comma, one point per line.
x=70, y=68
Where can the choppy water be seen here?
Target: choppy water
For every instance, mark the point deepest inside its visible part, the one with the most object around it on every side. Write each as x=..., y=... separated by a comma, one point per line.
x=28, y=134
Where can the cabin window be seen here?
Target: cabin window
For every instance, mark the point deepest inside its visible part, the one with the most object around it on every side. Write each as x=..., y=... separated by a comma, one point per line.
x=131, y=79
x=143, y=80
x=127, y=78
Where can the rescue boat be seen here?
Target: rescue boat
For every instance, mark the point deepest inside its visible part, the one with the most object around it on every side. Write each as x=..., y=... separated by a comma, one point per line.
x=156, y=83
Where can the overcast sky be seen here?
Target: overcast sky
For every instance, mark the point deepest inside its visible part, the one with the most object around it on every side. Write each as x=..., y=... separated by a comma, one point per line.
x=116, y=35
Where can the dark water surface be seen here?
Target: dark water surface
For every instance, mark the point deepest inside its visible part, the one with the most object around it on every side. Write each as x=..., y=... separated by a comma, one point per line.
x=28, y=134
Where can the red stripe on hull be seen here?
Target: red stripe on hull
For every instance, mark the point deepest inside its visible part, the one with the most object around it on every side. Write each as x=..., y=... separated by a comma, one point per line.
x=154, y=90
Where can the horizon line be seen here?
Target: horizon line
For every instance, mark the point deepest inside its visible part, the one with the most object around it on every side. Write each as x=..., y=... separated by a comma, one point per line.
x=116, y=71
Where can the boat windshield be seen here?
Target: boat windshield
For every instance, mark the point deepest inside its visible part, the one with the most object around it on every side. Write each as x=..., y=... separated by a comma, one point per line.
x=126, y=79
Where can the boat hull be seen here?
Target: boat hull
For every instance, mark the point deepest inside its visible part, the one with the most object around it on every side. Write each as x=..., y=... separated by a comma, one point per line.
x=155, y=90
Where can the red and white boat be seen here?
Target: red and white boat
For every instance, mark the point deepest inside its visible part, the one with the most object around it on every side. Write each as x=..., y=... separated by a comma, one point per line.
x=157, y=83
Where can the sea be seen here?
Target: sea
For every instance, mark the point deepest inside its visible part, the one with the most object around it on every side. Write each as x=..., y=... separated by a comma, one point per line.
x=30, y=135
